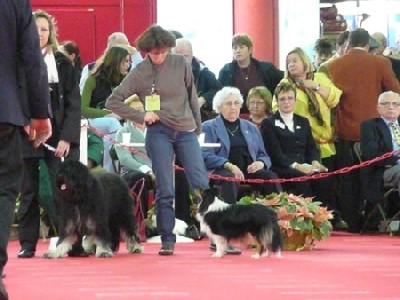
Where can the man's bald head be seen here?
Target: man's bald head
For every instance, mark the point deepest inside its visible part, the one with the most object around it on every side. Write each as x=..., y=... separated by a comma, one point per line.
x=382, y=40
x=183, y=47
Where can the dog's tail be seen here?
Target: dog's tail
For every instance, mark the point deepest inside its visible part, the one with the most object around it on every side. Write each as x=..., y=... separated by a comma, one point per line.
x=270, y=237
x=276, y=242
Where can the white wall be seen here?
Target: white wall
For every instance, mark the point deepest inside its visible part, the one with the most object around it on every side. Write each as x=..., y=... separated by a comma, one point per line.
x=299, y=26
x=208, y=24
x=384, y=16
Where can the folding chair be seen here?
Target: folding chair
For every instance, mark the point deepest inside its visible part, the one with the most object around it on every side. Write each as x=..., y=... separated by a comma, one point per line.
x=115, y=161
x=382, y=201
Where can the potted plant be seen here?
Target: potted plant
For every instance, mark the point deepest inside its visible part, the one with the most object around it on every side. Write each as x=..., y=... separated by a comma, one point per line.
x=301, y=220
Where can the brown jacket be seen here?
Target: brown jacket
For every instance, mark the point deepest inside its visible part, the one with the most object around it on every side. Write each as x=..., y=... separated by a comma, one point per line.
x=362, y=77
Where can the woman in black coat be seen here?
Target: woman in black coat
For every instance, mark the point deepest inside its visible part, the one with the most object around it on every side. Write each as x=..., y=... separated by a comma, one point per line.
x=65, y=113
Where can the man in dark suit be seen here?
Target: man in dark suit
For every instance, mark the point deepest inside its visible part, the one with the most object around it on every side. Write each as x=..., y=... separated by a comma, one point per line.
x=378, y=136
x=362, y=77
x=206, y=83
x=289, y=142
x=20, y=57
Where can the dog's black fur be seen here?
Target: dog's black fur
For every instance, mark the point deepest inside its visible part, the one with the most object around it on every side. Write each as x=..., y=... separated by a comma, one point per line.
x=97, y=206
x=223, y=222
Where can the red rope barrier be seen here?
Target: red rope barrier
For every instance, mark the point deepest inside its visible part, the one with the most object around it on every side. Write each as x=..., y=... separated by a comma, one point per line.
x=259, y=181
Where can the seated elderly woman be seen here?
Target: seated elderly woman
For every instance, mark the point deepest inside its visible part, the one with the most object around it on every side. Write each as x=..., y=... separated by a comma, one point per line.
x=289, y=141
x=259, y=102
x=242, y=154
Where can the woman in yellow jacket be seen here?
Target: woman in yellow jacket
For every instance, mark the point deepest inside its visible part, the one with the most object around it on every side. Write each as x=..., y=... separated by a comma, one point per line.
x=316, y=96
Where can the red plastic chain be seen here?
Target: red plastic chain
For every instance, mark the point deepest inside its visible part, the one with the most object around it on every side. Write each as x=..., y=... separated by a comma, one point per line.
x=260, y=181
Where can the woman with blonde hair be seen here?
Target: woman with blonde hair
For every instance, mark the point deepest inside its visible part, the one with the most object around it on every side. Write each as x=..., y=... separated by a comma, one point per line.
x=316, y=96
x=65, y=114
x=259, y=102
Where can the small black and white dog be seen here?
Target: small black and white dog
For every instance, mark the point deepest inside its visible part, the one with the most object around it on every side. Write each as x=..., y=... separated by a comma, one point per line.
x=254, y=223
x=97, y=206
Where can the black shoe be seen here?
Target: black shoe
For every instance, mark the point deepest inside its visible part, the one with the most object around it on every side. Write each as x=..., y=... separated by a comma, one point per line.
x=339, y=224
x=26, y=253
x=229, y=251
x=167, y=249
x=3, y=292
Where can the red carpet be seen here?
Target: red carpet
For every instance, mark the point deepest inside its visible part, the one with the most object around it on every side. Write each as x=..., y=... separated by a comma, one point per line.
x=343, y=267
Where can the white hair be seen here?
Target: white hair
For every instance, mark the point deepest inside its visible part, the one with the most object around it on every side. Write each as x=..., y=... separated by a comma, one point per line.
x=222, y=94
x=384, y=94
x=117, y=38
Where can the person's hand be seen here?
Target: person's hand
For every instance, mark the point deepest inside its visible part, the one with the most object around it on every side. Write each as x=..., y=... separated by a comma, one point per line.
x=237, y=172
x=151, y=174
x=39, y=131
x=151, y=117
x=62, y=149
x=202, y=101
x=305, y=168
x=255, y=166
x=310, y=84
x=317, y=167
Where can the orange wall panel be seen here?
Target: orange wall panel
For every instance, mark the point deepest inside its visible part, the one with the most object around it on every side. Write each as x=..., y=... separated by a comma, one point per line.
x=259, y=19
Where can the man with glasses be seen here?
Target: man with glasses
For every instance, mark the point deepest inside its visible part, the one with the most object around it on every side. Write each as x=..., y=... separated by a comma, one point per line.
x=379, y=136
x=362, y=77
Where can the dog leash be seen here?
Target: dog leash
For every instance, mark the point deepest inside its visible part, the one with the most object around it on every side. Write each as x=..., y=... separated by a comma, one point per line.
x=51, y=148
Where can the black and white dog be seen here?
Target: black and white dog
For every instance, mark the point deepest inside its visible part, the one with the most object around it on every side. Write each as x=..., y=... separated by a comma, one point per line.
x=253, y=223
x=97, y=206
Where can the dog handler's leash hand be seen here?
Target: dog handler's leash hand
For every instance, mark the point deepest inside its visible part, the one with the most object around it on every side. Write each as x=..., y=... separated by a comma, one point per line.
x=51, y=148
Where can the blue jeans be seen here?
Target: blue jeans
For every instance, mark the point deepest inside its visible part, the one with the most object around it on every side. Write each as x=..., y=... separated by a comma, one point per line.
x=162, y=145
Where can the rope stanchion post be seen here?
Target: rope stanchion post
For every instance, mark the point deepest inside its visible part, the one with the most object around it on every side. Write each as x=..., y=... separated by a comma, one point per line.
x=83, y=148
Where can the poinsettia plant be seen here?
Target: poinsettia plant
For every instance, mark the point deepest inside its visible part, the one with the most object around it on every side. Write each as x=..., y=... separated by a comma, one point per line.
x=297, y=217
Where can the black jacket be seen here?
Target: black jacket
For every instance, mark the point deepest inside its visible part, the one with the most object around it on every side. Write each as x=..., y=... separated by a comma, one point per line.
x=286, y=147
x=66, y=112
x=20, y=57
x=206, y=83
x=375, y=140
x=270, y=74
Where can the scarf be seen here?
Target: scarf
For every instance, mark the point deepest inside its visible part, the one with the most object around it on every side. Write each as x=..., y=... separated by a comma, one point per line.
x=50, y=61
x=313, y=104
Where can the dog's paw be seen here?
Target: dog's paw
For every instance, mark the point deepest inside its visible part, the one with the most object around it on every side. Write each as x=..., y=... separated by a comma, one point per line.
x=103, y=251
x=104, y=254
x=255, y=256
x=218, y=255
x=135, y=248
x=51, y=255
x=267, y=254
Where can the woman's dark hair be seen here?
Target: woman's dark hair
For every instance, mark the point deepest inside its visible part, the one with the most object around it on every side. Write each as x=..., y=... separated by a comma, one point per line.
x=323, y=46
x=72, y=48
x=110, y=64
x=155, y=37
x=284, y=87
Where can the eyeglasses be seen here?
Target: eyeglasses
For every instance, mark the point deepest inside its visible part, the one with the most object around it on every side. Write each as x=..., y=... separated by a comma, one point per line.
x=255, y=104
x=230, y=103
x=387, y=104
x=288, y=99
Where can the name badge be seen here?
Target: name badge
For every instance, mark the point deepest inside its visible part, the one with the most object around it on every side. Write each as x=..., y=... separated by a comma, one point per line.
x=152, y=102
x=278, y=123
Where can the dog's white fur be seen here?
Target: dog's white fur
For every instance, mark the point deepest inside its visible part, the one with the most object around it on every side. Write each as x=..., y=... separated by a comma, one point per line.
x=220, y=241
